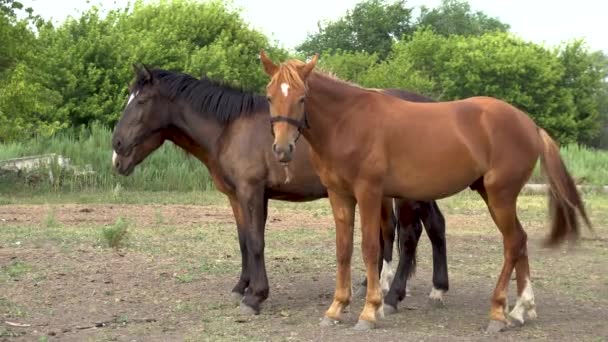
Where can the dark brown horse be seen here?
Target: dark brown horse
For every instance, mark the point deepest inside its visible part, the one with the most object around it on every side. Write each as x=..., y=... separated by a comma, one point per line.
x=228, y=130
x=367, y=145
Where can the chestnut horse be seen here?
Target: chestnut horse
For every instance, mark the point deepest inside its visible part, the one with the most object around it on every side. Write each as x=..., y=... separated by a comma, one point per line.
x=228, y=131
x=366, y=145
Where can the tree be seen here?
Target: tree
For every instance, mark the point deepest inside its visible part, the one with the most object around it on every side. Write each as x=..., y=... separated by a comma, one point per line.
x=494, y=64
x=584, y=77
x=455, y=17
x=371, y=27
x=88, y=59
x=374, y=25
x=349, y=66
x=27, y=106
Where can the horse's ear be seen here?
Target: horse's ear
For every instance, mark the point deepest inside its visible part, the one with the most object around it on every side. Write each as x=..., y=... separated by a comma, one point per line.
x=308, y=67
x=136, y=69
x=269, y=66
x=147, y=74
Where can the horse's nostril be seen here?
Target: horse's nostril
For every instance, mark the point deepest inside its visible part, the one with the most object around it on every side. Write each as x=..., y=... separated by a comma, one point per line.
x=291, y=147
x=274, y=148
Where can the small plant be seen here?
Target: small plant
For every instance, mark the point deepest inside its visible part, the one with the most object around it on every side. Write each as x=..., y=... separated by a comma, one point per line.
x=117, y=192
x=115, y=235
x=158, y=216
x=123, y=319
x=50, y=220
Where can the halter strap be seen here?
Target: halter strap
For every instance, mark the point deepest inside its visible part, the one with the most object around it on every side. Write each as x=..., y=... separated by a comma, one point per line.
x=300, y=124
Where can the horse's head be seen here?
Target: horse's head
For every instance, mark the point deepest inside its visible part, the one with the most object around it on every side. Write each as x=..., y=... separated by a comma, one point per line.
x=126, y=164
x=286, y=93
x=139, y=130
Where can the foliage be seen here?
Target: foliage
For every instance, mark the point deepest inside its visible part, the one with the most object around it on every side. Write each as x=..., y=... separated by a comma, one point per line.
x=373, y=25
x=54, y=78
x=349, y=66
x=455, y=17
x=370, y=27
x=584, y=78
x=89, y=58
x=558, y=88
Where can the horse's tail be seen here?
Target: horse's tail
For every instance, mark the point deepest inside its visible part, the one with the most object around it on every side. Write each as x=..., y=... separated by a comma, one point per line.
x=564, y=199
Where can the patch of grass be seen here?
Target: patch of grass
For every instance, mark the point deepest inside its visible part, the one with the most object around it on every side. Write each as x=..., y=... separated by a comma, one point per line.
x=115, y=235
x=168, y=168
x=15, y=270
x=185, y=278
x=4, y=332
x=10, y=309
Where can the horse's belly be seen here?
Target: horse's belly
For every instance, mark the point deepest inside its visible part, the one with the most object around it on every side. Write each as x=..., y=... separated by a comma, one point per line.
x=429, y=186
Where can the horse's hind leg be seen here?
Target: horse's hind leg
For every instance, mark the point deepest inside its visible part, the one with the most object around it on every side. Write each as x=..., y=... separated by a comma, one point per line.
x=410, y=229
x=502, y=205
x=387, y=224
x=434, y=224
x=525, y=295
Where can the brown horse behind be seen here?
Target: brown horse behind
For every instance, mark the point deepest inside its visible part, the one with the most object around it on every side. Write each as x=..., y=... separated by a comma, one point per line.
x=366, y=145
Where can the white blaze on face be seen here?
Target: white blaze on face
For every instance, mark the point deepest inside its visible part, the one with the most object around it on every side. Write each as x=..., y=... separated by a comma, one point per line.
x=132, y=96
x=285, y=89
x=114, y=157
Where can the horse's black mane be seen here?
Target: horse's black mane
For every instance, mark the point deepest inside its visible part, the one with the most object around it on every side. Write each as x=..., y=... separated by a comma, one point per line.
x=224, y=102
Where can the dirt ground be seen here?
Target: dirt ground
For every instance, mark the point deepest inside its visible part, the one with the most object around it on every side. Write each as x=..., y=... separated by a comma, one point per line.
x=171, y=280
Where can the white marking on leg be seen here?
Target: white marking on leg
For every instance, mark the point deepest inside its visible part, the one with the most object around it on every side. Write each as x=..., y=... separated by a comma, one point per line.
x=114, y=157
x=285, y=89
x=436, y=294
x=387, y=276
x=525, y=303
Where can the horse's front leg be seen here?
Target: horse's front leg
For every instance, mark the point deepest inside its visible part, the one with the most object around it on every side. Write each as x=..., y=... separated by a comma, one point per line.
x=254, y=207
x=343, y=207
x=238, y=291
x=369, y=198
x=388, y=225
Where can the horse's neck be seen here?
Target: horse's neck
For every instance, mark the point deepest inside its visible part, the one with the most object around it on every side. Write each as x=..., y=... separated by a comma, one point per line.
x=202, y=133
x=325, y=108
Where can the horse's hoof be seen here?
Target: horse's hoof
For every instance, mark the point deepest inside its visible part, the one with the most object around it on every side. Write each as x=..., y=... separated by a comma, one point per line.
x=364, y=325
x=361, y=292
x=328, y=322
x=248, y=310
x=389, y=309
x=236, y=297
x=496, y=326
x=436, y=303
x=514, y=323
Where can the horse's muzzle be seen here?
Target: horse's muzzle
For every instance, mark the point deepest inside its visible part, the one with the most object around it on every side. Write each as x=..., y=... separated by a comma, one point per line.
x=283, y=153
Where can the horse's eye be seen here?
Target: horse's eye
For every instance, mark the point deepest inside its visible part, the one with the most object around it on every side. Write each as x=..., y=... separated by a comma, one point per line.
x=269, y=99
x=301, y=100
